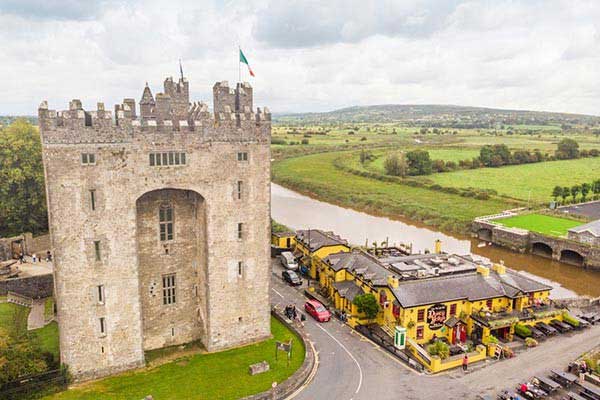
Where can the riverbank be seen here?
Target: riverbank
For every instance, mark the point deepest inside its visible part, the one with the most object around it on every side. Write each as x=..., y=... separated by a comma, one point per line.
x=317, y=176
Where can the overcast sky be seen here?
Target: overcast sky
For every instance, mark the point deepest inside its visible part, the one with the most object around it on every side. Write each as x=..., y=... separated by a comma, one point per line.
x=307, y=55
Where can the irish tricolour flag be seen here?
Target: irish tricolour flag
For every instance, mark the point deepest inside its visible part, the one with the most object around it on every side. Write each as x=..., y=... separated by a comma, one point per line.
x=245, y=61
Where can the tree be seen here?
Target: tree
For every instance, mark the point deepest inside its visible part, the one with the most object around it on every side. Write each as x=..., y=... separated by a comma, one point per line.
x=557, y=192
x=22, y=193
x=395, y=165
x=575, y=189
x=419, y=162
x=565, y=193
x=367, y=303
x=585, y=189
x=567, y=149
x=485, y=155
x=596, y=187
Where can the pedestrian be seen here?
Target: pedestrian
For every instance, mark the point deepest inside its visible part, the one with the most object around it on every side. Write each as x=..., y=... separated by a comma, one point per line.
x=465, y=362
x=21, y=258
x=294, y=313
x=48, y=256
x=33, y=258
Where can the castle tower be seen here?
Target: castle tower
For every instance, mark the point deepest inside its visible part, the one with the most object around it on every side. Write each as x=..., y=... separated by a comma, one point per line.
x=159, y=224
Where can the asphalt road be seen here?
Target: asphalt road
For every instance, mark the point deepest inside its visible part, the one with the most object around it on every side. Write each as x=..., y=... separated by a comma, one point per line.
x=353, y=368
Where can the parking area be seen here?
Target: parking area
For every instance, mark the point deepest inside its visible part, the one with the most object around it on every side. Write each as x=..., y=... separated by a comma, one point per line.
x=589, y=210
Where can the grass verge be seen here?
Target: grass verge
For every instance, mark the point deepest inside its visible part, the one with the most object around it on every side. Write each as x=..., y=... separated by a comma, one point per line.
x=222, y=375
x=545, y=224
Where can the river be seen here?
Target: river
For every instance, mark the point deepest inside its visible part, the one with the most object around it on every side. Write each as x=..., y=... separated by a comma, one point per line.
x=301, y=212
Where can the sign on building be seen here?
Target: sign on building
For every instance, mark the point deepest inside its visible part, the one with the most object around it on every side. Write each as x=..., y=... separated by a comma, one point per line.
x=436, y=316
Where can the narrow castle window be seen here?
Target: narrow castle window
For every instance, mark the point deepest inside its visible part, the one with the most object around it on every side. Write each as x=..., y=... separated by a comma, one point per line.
x=240, y=268
x=152, y=163
x=102, y=326
x=240, y=230
x=101, y=294
x=239, y=189
x=93, y=199
x=97, y=249
x=166, y=158
x=88, y=158
x=242, y=156
x=168, y=282
x=165, y=215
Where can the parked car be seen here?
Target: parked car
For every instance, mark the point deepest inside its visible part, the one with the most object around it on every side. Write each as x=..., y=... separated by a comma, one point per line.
x=547, y=329
x=317, y=310
x=583, y=323
x=292, y=278
x=560, y=326
x=288, y=261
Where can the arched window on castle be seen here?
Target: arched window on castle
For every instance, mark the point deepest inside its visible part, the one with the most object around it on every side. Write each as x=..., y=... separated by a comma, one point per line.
x=165, y=216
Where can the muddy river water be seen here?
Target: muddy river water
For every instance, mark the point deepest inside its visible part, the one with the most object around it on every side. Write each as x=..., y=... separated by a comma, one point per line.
x=301, y=212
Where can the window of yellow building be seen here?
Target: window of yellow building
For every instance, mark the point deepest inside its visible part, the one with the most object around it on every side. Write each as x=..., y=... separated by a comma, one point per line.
x=453, y=309
x=420, y=332
x=421, y=315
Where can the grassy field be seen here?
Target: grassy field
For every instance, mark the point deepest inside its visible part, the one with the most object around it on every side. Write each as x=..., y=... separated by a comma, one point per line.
x=546, y=224
x=532, y=182
x=221, y=375
x=46, y=337
x=316, y=175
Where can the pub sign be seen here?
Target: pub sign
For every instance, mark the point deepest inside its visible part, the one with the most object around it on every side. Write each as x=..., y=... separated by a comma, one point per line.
x=436, y=316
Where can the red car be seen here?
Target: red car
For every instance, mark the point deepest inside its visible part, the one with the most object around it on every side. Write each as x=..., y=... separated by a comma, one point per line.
x=317, y=311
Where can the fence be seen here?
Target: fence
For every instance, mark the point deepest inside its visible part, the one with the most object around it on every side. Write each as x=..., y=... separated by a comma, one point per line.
x=32, y=385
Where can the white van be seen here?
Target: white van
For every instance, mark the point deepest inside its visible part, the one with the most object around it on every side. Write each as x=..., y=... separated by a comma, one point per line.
x=288, y=261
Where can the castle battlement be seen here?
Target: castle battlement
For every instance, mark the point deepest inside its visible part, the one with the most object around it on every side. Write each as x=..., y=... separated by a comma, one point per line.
x=169, y=112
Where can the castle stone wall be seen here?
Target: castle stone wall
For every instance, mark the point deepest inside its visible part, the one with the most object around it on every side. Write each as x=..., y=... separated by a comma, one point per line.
x=114, y=242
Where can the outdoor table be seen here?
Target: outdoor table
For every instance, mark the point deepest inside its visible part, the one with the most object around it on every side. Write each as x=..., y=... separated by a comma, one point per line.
x=565, y=377
x=590, y=390
x=548, y=384
x=574, y=396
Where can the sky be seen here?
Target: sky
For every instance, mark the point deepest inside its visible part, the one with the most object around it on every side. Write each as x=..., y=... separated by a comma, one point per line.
x=307, y=55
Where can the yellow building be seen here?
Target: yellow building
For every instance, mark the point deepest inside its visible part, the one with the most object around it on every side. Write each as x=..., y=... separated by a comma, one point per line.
x=436, y=296
x=284, y=240
x=313, y=245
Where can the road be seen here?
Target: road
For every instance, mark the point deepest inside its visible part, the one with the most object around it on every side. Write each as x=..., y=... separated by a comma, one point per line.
x=353, y=368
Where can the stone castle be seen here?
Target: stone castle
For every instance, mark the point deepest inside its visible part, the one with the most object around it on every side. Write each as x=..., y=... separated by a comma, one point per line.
x=159, y=224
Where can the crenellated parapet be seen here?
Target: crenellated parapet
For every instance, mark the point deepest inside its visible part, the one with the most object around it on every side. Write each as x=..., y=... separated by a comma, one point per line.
x=233, y=117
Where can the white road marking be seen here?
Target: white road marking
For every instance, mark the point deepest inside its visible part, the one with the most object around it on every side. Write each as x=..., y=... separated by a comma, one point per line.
x=360, y=372
x=279, y=294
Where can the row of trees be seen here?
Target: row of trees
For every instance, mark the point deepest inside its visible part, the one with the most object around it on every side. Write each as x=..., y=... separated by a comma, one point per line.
x=584, y=189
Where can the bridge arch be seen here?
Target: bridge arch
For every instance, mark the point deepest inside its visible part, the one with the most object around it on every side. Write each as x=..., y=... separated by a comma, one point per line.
x=571, y=257
x=541, y=249
x=484, y=234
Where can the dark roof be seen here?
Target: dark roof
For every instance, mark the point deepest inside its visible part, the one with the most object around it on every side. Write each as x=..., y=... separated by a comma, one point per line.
x=284, y=234
x=472, y=287
x=348, y=289
x=33, y=287
x=591, y=227
x=359, y=263
x=452, y=321
x=319, y=238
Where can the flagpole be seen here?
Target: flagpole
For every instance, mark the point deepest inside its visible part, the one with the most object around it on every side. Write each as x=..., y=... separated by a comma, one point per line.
x=239, y=65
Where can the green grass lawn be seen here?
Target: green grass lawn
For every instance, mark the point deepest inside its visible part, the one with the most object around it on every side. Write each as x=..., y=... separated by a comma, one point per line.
x=527, y=181
x=46, y=337
x=316, y=175
x=221, y=375
x=546, y=224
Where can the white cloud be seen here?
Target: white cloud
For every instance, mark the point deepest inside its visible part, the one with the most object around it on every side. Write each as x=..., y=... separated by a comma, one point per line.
x=308, y=56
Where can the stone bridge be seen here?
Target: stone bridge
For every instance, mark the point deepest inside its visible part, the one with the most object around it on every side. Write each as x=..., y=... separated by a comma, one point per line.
x=524, y=241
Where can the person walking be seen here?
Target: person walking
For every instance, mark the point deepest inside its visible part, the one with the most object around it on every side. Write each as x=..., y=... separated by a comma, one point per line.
x=33, y=258
x=465, y=362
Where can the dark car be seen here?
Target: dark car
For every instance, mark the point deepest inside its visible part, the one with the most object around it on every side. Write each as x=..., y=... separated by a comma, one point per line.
x=560, y=326
x=292, y=278
x=547, y=329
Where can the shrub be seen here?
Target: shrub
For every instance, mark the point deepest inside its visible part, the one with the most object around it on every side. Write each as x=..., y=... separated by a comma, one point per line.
x=278, y=141
x=568, y=319
x=367, y=303
x=530, y=342
x=304, y=141
x=395, y=165
x=362, y=139
x=522, y=330
x=492, y=339
x=440, y=349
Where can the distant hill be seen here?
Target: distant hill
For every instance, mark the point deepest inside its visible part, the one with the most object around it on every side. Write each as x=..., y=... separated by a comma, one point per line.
x=440, y=115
